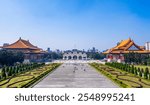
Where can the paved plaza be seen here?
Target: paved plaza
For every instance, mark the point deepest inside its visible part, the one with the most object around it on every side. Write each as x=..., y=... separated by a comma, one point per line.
x=75, y=75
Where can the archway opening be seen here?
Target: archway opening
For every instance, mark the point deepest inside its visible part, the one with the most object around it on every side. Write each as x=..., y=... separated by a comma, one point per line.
x=80, y=57
x=65, y=57
x=74, y=57
x=84, y=58
x=69, y=57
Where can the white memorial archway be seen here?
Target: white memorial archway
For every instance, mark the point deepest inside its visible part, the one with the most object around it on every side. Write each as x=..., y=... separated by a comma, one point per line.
x=74, y=55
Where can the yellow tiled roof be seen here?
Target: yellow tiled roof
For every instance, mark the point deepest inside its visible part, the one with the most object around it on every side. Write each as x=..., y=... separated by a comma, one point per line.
x=123, y=47
x=123, y=43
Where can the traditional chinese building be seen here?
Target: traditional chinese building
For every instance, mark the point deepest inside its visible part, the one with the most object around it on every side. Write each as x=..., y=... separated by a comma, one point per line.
x=116, y=54
x=31, y=52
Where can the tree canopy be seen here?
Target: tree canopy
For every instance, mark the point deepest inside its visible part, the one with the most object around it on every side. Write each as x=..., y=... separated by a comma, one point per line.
x=10, y=57
x=137, y=58
x=95, y=55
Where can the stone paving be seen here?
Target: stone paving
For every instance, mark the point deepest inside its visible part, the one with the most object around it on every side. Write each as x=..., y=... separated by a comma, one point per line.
x=75, y=75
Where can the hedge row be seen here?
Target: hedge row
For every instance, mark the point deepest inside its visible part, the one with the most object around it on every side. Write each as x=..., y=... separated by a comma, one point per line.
x=131, y=69
x=40, y=76
x=9, y=71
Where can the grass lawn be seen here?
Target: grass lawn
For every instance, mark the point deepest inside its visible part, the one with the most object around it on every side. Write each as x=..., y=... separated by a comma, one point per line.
x=22, y=80
x=122, y=78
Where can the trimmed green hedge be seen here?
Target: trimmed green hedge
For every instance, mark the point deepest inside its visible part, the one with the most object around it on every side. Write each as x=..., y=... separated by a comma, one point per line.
x=39, y=77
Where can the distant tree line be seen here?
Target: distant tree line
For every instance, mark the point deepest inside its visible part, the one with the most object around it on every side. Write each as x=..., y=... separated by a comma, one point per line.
x=95, y=55
x=137, y=58
x=53, y=55
x=8, y=58
x=131, y=69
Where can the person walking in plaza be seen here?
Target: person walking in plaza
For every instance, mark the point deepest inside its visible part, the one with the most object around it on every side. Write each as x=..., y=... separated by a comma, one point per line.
x=84, y=69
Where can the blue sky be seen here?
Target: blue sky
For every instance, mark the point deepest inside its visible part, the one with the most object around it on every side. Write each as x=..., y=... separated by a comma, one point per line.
x=81, y=24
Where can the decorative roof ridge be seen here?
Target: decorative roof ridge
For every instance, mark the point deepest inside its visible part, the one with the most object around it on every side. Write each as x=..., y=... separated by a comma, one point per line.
x=31, y=46
x=12, y=43
x=23, y=43
x=134, y=45
x=129, y=45
x=128, y=41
